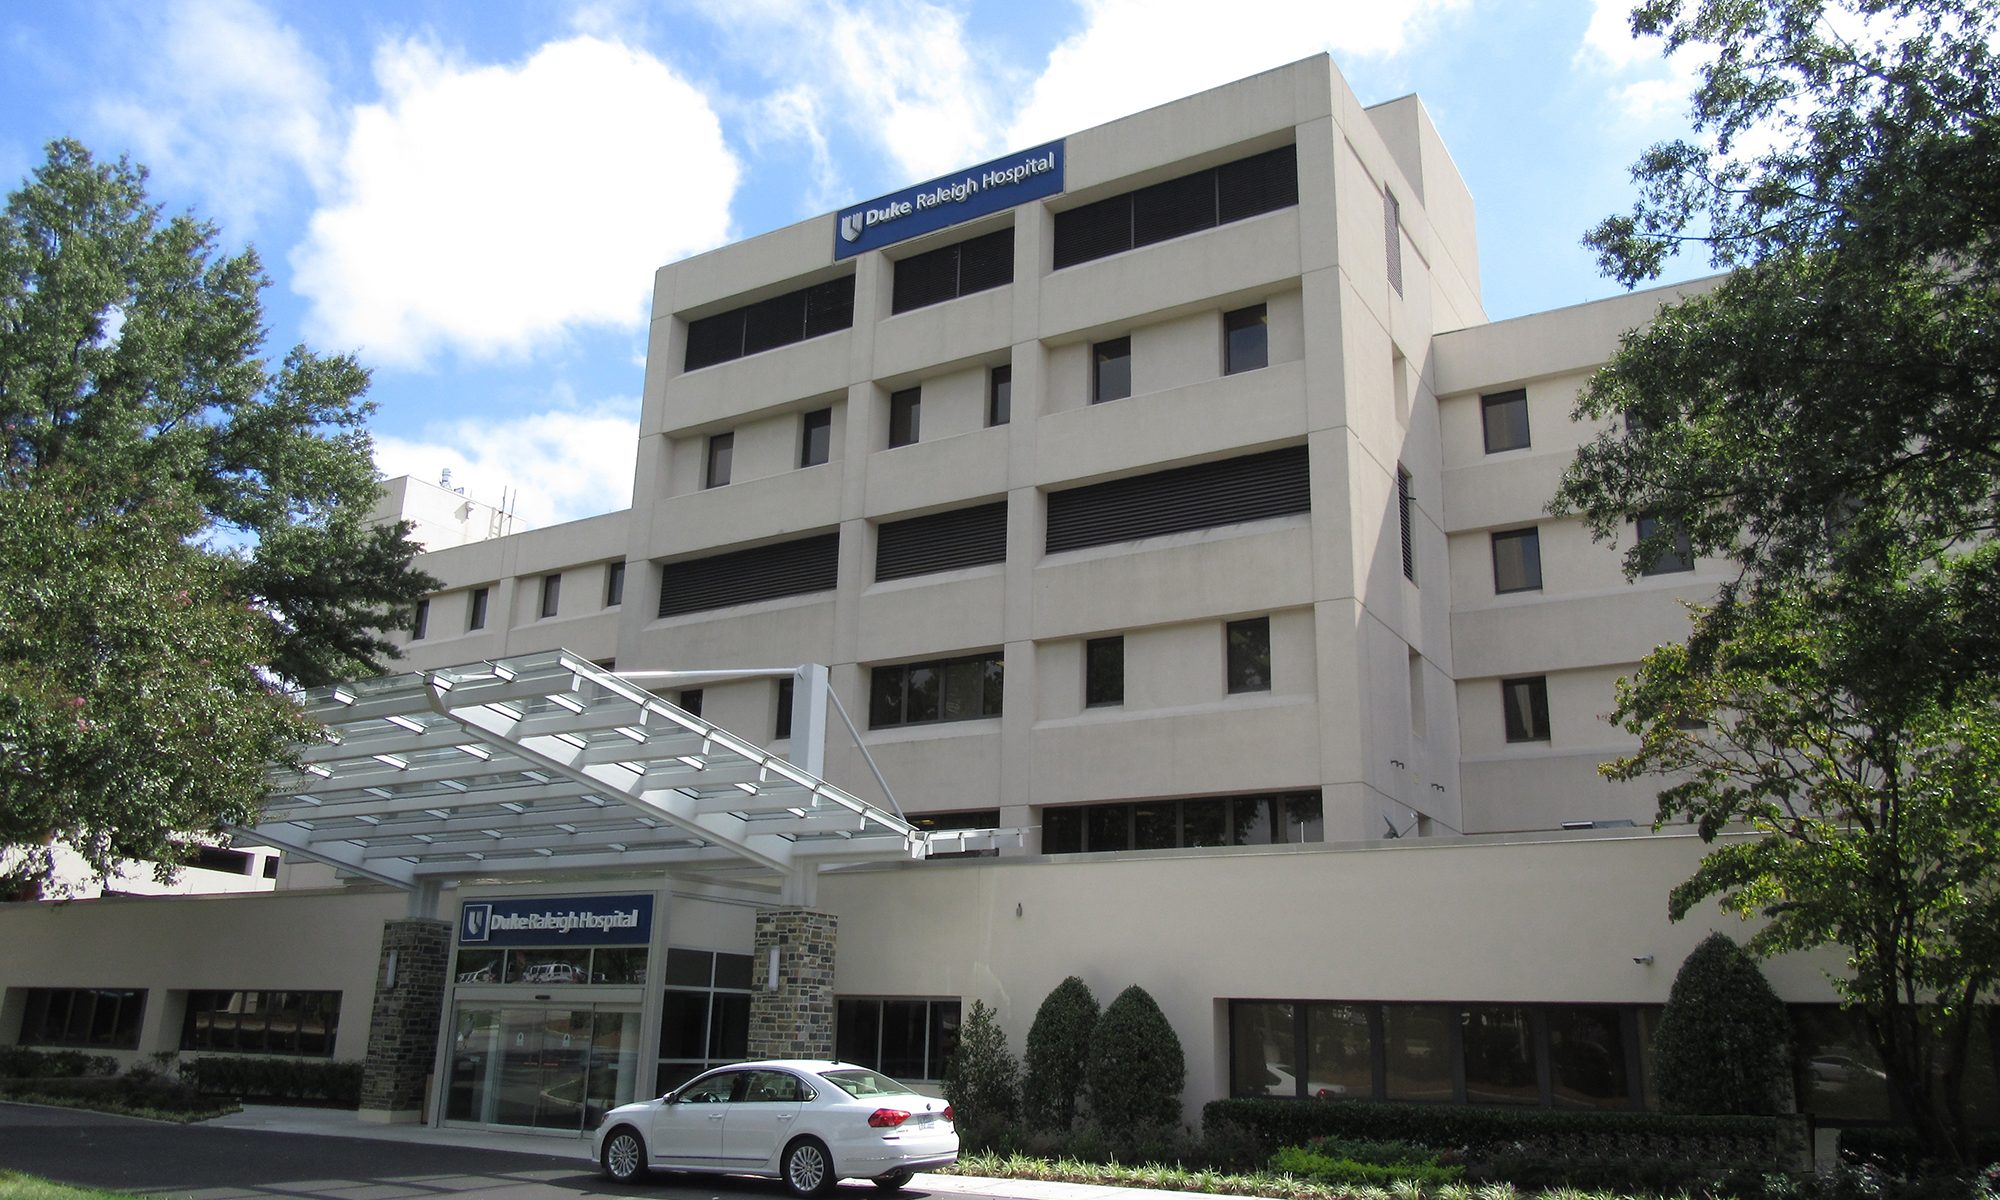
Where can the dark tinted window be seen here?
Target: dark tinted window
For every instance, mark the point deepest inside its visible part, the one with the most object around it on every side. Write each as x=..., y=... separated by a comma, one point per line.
x=1249, y=654
x=420, y=621
x=1202, y=200
x=1526, y=705
x=614, y=584
x=962, y=537
x=1104, y=671
x=1111, y=370
x=922, y=693
x=1000, y=396
x=768, y=324
x=1246, y=341
x=792, y=568
x=721, y=453
x=551, y=594
x=905, y=410
x=1504, y=416
x=1677, y=556
x=816, y=437
x=1517, y=561
x=953, y=271
x=475, y=617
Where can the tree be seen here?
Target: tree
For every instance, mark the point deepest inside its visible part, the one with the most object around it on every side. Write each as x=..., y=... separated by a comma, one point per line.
x=1723, y=1042
x=135, y=405
x=981, y=1079
x=1137, y=1069
x=1826, y=418
x=1058, y=1053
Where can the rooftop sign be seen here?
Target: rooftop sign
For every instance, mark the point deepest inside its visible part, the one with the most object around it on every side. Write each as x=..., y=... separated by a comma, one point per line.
x=949, y=199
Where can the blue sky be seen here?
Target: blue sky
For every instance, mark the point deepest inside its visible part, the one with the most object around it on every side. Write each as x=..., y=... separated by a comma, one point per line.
x=472, y=198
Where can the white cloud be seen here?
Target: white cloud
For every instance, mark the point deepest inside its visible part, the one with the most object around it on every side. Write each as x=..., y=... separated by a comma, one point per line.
x=493, y=209
x=564, y=463
x=1646, y=89
x=906, y=70
x=226, y=100
x=794, y=116
x=1134, y=54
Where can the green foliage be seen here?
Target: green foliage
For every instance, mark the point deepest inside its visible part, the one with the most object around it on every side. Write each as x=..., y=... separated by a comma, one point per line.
x=1364, y=1164
x=981, y=1079
x=140, y=433
x=1825, y=418
x=139, y=1091
x=1136, y=1068
x=20, y=1062
x=279, y=1080
x=1482, y=1132
x=1723, y=1044
x=1058, y=1052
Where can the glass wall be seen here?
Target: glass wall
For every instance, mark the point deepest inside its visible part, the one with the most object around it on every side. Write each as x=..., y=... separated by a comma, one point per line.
x=541, y=1067
x=705, y=1017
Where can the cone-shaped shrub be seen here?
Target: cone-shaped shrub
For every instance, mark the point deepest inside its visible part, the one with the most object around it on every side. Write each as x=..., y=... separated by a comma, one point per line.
x=1136, y=1066
x=1058, y=1053
x=1724, y=1042
x=981, y=1078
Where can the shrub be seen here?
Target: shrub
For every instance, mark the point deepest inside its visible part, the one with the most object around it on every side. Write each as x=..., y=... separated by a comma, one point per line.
x=981, y=1079
x=1058, y=1051
x=19, y=1062
x=1136, y=1067
x=285, y=1080
x=1724, y=1041
x=1365, y=1164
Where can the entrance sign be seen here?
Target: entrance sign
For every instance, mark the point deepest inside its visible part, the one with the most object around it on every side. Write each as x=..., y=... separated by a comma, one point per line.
x=557, y=921
x=949, y=199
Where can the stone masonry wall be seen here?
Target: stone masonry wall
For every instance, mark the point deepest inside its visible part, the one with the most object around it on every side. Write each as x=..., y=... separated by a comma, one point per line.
x=796, y=1020
x=403, y=1031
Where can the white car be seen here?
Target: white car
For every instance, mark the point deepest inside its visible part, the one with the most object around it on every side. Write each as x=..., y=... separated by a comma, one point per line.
x=809, y=1123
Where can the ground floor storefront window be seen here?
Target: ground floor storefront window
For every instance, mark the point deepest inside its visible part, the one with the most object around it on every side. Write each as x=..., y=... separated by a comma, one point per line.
x=106, y=1018
x=705, y=1014
x=541, y=1067
x=903, y=1039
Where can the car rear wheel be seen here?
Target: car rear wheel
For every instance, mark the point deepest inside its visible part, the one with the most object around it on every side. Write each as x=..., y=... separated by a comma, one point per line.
x=624, y=1157
x=808, y=1170
x=894, y=1181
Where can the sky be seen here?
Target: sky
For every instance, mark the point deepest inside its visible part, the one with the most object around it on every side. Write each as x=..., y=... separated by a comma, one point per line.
x=472, y=198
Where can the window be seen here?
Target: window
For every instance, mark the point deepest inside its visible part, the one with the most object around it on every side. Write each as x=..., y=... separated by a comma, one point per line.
x=816, y=437
x=420, y=620
x=721, y=449
x=304, y=1023
x=768, y=324
x=1392, y=227
x=1504, y=416
x=808, y=564
x=1000, y=395
x=1104, y=671
x=688, y=700
x=973, y=265
x=945, y=822
x=1517, y=561
x=1111, y=370
x=1249, y=655
x=475, y=613
x=1403, y=520
x=945, y=541
x=1246, y=340
x=1203, y=200
x=107, y=1017
x=1250, y=488
x=783, y=728
x=1526, y=702
x=925, y=693
x=1278, y=819
x=705, y=1018
x=1678, y=556
x=614, y=584
x=903, y=1039
x=551, y=593
x=905, y=407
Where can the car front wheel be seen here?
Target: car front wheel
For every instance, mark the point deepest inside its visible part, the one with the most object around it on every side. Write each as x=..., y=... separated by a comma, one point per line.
x=624, y=1157
x=808, y=1170
x=894, y=1181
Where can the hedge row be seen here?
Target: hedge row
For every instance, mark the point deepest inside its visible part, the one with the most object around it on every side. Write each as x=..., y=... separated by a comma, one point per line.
x=19, y=1062
x=293, y=1080
x=1895, y=1149
x=1482, y=1133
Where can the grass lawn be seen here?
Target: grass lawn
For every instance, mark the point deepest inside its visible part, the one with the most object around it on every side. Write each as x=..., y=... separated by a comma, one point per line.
x=16, y=1186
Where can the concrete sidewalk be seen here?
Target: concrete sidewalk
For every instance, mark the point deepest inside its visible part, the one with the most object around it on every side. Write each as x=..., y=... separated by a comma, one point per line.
x=343, y=1123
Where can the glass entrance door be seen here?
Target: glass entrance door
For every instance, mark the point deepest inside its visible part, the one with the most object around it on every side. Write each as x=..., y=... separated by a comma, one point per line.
x=541, y=1067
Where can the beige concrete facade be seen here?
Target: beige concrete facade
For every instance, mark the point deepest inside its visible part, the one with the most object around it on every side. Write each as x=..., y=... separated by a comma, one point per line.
x=1384, y=692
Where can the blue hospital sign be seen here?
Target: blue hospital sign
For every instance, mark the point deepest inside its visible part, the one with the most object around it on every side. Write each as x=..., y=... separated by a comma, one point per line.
x=949, y=199
x=557, y=921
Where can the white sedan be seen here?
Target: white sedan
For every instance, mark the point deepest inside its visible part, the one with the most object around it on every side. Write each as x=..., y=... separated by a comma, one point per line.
x=809, y=1123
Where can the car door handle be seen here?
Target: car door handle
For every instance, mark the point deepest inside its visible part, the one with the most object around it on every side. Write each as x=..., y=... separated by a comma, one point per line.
x=715, y=1116
x=786, y=1117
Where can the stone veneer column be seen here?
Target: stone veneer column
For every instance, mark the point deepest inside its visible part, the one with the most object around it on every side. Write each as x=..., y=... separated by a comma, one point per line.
x=403, y=1029
x=796, y=1019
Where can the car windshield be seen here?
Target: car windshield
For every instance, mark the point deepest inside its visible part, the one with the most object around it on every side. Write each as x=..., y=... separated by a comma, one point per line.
x=860, y=1082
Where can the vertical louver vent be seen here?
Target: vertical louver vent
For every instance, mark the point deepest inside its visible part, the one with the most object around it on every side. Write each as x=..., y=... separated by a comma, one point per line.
x=1259, y=184
x=963, y=537
x=953, y=271
x=1219, y=493
x=742, y=576
x=768, y=324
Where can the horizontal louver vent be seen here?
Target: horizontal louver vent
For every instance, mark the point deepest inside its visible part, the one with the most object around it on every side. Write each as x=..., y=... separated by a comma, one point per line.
x=768, y=324
x=1198, y=497
x=963, y=537
x=953, y=271
x=743, y=576
x=1231, y=192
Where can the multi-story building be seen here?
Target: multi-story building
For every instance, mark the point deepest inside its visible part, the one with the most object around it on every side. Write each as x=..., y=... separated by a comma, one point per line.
x=1160, y=498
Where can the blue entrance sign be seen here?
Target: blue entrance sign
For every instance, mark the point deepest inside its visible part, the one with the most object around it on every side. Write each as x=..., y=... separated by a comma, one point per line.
x=949, y=199
x=557, y=921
